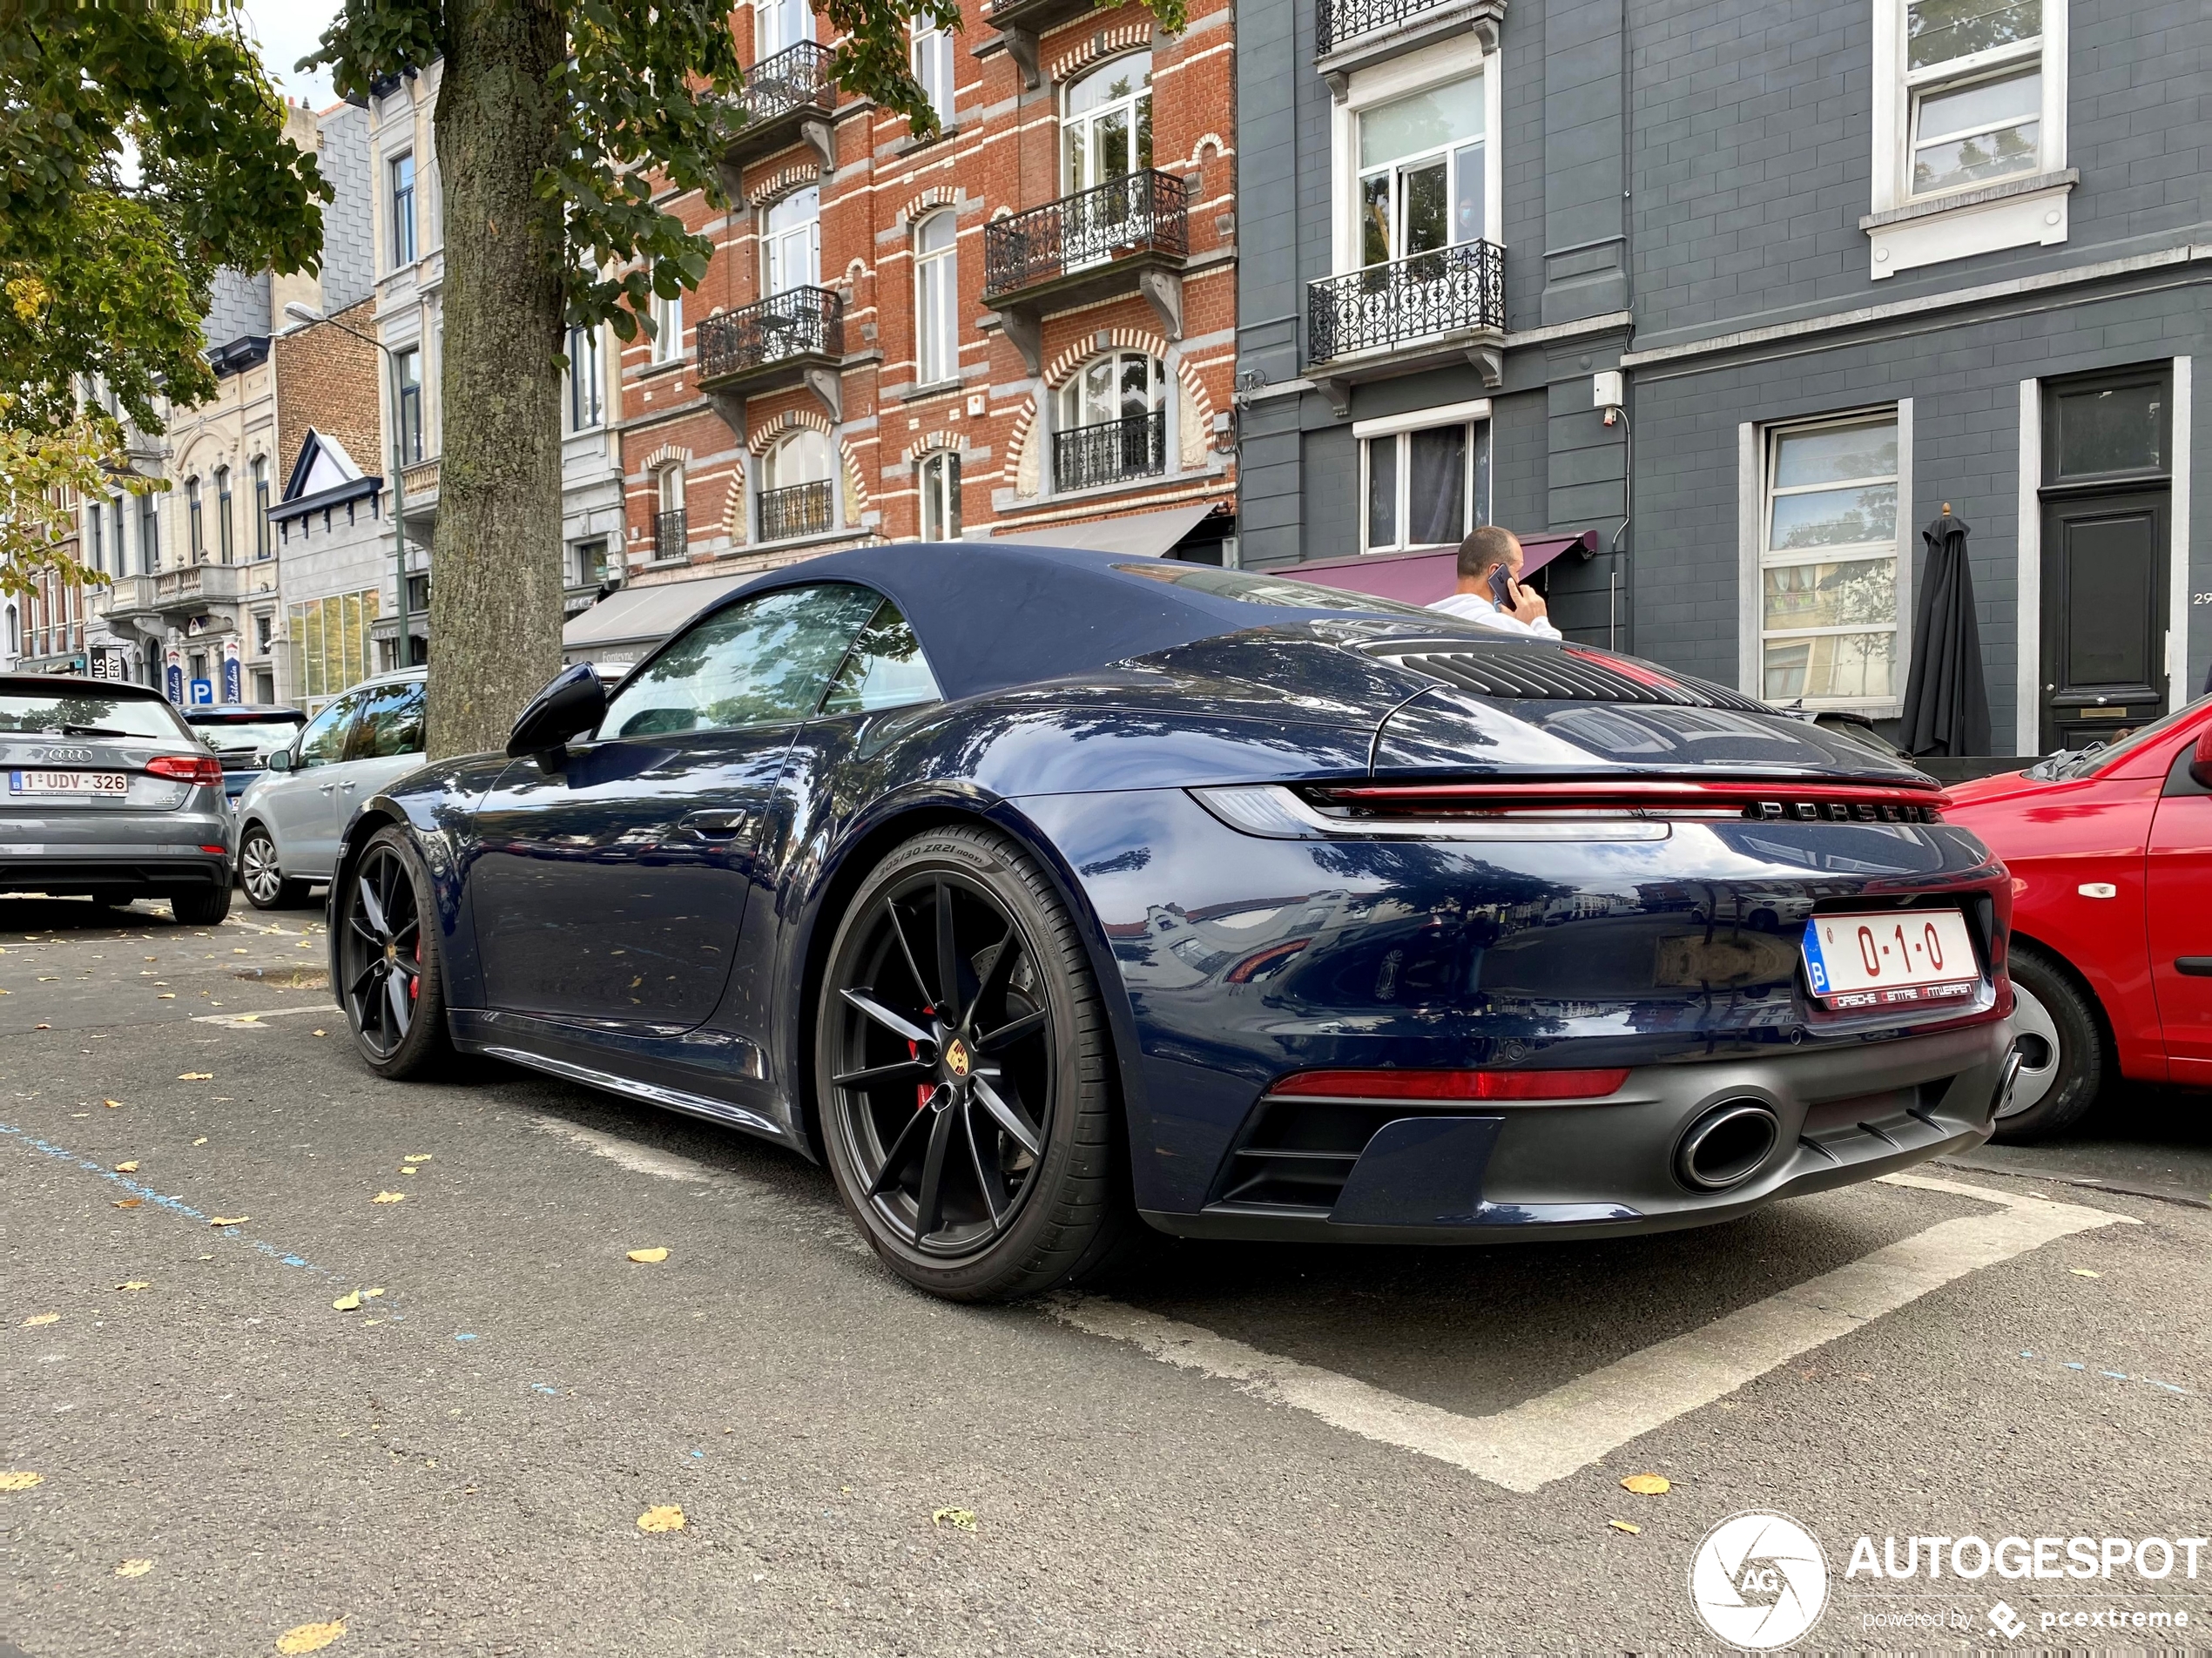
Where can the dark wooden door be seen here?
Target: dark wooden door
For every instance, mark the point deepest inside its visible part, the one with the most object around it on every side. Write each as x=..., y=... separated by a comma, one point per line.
x=2104, y=614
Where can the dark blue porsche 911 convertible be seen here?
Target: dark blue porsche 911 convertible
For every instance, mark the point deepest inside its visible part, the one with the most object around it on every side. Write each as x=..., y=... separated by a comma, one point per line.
x=1044, y=894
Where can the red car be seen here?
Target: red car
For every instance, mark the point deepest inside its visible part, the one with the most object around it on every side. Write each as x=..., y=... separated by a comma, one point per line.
x=2111, y=958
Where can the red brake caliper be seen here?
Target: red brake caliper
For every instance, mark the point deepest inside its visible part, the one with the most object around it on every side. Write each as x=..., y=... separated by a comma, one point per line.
x=922, y=1090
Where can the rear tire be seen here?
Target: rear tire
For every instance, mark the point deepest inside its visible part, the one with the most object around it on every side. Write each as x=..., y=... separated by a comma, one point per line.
x=391, y=965
x=258, y=871
x=982, y=1164
x=2065, y=1056
x=201, y=909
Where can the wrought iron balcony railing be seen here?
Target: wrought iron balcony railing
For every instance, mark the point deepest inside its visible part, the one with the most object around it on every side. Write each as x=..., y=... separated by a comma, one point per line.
x=671, y=534
x=804, y=322
x=1337, y=21
x=799, y=509
x=1111, y=451
x=1452, y=290
x=797, y=78
x=1141, y=212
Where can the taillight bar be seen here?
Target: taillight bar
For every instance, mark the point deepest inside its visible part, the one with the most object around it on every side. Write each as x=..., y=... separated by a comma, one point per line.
x=1805, y=800
x=204, y=770
x=1395, y=1084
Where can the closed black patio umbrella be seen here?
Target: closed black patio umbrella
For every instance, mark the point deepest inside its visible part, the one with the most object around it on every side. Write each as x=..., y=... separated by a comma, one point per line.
x=1946, y=703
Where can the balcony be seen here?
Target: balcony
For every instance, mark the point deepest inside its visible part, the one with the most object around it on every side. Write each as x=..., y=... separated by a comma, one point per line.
x=671, y=536
x=786, y=340
x=187, y=589
x=787, y=99
x=1110, y=452
x=1130, y=236
x=800, y=509
x=1353, y=34
x=1417, y=313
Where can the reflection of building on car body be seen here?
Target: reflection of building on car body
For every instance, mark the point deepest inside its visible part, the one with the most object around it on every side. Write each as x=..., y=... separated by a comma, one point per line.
x=1194, y=898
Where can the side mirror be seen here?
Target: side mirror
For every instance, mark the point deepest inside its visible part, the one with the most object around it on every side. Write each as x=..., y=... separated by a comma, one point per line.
x=573, y=702
x=280, y=759
x=2201, y=761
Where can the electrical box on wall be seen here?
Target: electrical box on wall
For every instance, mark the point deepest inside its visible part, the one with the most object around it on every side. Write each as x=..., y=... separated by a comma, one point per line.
x=1605, y=389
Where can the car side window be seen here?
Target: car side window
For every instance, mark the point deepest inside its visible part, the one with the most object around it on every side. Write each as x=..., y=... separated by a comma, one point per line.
x=325, y=739
x=885, y=668
x=391, y=724
x=763, y=661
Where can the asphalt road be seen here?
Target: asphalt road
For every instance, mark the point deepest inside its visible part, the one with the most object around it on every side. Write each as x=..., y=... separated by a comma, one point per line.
x=460, y=1464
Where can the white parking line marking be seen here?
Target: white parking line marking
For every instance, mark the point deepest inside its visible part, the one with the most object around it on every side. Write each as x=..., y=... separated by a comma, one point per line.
x=1551, y=1436
x=252, y=1021
x=640, y=1160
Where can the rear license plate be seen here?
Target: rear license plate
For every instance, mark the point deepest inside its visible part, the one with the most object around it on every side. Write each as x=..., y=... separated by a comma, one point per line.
x=1890, y=957
x=69, y=783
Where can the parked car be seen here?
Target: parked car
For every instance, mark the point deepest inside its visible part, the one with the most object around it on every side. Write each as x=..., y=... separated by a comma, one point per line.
x=242, y=735
x=2110, y=851
x=289, y=816
x=1048, y=894
x=109, y=795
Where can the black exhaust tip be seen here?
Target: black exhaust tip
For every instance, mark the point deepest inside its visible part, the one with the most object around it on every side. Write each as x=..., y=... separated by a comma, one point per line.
x=1726, y=1146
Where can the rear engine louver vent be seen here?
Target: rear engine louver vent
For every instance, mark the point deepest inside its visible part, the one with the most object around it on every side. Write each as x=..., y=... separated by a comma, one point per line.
x=1567, y=674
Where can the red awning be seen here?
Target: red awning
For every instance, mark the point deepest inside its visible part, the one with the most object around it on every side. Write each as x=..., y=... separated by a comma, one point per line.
x=1423, y=578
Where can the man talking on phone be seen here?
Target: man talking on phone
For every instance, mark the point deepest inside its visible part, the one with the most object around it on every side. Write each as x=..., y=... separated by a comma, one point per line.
x=1490, y=593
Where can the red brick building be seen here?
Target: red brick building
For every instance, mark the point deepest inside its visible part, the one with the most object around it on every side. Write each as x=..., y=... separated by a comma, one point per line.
x=1022, y=325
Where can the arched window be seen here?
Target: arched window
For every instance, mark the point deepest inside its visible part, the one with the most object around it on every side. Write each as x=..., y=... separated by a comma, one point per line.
x=223, y=549
x=1112, y=422
x=937, y=300
x=791, y=243
x=15, y=633
x=1106, y=131
x=799, y=487
x=940, y=477
x=196, y=535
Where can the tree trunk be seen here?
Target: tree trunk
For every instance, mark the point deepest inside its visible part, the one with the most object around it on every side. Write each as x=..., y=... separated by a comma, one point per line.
x=495, y=590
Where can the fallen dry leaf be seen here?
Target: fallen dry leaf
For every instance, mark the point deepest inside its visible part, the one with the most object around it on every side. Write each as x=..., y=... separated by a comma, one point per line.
x=1647, y=1485
x=129, y=1202
x=350, y=1302
x=130, y=1168
x=41, y=1318
x=167, y=996
x=649, y=1257
x=372, y=1294
x=321, y=1033
x=663, y=1517
x=229, y=1220
x=137, y=1284
x=16, y=1481
x=390, y=1197
x=309, y=1637
x=42, y=1028
x=416, y=1156
x=112, y=1105
x=1624, y=1525
x=2084, y=1272
x=961, y=1520
x=200, y=1142
x=134, y=1568
x=195, y=1076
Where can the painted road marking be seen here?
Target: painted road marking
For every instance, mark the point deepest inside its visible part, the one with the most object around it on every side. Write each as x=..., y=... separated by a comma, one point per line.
x=1551, y=1436
x=253, y=1021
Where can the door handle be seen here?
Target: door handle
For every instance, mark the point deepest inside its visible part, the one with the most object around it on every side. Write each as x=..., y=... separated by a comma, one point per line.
x=716, y=825
x=2196, y=967
x=325, y=788
x=349, y=787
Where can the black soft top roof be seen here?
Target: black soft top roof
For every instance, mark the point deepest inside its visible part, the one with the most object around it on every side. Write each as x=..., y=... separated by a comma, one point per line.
x=996, y=614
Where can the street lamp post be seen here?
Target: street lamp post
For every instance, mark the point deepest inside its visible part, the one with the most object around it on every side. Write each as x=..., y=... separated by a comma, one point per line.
x=402, y=645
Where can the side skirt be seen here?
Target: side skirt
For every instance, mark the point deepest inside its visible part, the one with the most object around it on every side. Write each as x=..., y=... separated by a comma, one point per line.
x=696, y=1105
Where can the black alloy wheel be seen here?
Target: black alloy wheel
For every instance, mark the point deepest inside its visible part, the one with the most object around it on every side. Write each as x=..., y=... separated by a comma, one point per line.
x=391, y=976
x=962, y=1069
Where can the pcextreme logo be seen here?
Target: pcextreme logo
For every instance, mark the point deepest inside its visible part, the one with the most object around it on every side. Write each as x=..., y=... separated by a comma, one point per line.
x=1759, y=1580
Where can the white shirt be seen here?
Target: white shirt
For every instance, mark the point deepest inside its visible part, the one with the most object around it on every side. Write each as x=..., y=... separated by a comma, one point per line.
x=1474, y=607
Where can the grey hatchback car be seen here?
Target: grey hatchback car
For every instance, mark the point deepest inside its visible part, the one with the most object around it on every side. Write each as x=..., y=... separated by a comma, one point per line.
x=109, y=795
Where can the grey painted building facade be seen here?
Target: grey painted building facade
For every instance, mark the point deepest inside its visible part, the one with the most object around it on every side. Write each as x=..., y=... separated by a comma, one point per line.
x=1852, y=263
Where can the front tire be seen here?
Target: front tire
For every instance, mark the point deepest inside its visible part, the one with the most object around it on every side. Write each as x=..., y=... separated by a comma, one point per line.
x=2066, y=1057
x=391, y=967
x=262, y=876
x=965, y=1073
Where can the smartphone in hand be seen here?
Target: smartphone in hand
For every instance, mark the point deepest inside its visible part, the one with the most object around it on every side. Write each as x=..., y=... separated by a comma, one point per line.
x=1501, y=588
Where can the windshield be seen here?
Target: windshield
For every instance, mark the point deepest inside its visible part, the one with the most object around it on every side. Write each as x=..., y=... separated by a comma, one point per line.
x=70, y=712
x=249, y=733
x=1250, y=589
x=2081, y=762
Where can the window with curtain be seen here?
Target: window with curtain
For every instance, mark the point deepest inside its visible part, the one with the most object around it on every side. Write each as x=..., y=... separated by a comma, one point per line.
x=932, y=67
x=223, y=549
x=936, y=299
x=1973, y=76
x=1828, y=561
x=779, y=23
x=1421, y=172
x=1427, y=488
x=940, y=496
x=1106, y=126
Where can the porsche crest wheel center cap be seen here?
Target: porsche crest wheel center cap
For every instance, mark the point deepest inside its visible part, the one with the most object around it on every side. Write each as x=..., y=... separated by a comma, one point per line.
x=391, y=952
x=956, y=1060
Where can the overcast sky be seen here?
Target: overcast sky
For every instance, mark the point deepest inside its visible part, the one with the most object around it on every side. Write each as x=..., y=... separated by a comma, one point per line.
x=288, y=31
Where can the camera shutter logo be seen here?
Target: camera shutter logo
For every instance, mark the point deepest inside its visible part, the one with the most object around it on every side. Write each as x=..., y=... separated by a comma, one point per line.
x=1759, y=1580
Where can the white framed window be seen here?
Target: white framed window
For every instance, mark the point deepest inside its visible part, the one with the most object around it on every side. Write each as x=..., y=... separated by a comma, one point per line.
x=791, y=243
x=1424, y=478
x=400, y=175
x=1106, y=124
x=95, y=543
x=932, y=67
x=1969, y=126
x=1828, y=560
x=803, y=457
x=1416, y=163
x=587, y=381
x=1116, y=385
x=937, y=298
x=668, y=327
x=940, y=478
x=780, y=24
